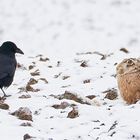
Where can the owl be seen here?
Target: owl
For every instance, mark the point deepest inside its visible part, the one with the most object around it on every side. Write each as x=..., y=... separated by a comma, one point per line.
x=128, y=78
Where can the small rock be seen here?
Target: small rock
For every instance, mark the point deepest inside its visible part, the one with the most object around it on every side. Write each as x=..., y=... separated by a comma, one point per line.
x=30, y=88
x=21, y=66
x=65, y=77
x=25, y=96
x=111, y=94
x=50, y=66
x=91, y=96
x=23, y=113
x=31, y=67
x=124, y=50
x=4, y=106
x=26, y=124
x=73, y=114
x=32, y=81
x=84, y=64
x=58, y=63
x=63, y=105
x=27, y=137
x=35, y=73
x=87, y=81
x=71, y=96
x=44, y=59
x=43, y=79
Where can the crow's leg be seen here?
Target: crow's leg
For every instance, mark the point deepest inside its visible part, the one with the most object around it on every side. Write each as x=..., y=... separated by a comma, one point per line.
x=5, y=93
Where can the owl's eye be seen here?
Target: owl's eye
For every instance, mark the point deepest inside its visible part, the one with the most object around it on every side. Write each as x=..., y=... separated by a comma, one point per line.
x=130, y=62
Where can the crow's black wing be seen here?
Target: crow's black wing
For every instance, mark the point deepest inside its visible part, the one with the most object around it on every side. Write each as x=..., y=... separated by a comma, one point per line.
x=7, y=66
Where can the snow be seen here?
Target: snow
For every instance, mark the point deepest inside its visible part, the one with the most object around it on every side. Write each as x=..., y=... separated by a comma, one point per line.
x=65, y=31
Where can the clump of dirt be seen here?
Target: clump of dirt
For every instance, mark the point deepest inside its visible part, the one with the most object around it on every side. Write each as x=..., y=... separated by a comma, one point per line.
x=63, y=105
x=21, y=66
x=65, y=77
x=32, y=81
x=27, y=137
x=91, y=97
x=84, y=64
x=124, y=50
x=35, y=73
x=26, y=124
x=23, y=113
x=45, y=80
x=71, y=96
x=111, y=94
x=25, y=96
x=30, y=88
x=73, y=113
x=86, y=81
x=4, y=106
x=32, y=66
x=44, y=59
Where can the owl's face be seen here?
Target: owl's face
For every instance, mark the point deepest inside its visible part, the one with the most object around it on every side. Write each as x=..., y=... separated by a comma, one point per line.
x=128, y=66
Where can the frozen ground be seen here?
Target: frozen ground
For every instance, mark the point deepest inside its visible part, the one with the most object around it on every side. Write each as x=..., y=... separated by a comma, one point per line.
x=70, y=32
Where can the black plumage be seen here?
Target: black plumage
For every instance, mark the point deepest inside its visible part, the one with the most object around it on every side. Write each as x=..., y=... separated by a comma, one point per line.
x=7, y=63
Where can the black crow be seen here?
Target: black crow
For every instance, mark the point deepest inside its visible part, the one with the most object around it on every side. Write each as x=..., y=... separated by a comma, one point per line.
x=7, y=63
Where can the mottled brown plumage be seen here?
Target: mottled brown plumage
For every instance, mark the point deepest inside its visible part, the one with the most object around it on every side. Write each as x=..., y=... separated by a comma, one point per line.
x=128, y=77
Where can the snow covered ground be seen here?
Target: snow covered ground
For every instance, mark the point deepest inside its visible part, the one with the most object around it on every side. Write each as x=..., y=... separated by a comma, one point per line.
x=82, y=40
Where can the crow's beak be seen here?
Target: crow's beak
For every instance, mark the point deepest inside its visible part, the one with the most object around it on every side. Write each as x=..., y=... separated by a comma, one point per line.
x=19, y=51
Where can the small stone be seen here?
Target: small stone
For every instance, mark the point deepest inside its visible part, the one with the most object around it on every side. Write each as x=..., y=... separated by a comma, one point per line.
x=63, y=105
x=30, y=88
x=27, y=137
x=87, y=81
x=25, y=96
x=65, y=77
x=91, y=96
x=23, y=113
x=70, y=96
x=84, y=64
x=4, y=106
x=32, y=81
x=26, y=124
x=35, y=73
x=124, y=50
x=44, y=59
x=45, y=80
x=73, y=114
x=111, y=94
x=31, y=67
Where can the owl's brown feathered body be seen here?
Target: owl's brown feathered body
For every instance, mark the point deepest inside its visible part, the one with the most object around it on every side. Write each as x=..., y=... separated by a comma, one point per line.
x=128, y=77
